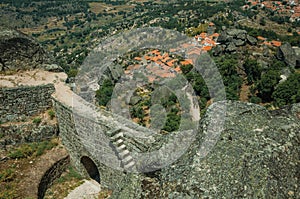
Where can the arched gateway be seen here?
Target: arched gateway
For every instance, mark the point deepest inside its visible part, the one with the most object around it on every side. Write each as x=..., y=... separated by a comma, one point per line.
x=91, y=168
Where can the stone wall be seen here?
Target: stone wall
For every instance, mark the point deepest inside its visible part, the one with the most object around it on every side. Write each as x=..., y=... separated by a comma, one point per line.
x=18, y=103
x=26, y=132
x=77, y=150
x=51, y=174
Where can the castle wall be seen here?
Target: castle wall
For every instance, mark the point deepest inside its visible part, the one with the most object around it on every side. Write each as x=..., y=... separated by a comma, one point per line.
x=109, y=177
x=16, y=104
x=17, y=107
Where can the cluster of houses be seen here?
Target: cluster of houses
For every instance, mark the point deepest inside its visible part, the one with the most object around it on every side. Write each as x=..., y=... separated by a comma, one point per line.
x=288, y=7
x=155, y=65
x=273, y=43
x=207, y=40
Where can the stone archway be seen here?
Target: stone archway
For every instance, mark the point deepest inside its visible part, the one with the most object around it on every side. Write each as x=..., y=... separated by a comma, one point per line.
x=91, y=168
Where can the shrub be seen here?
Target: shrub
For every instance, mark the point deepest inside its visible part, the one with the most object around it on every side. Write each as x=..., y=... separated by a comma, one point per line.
x=7, y=175
x=22, y=152
x=255, y=100
x=37, y=120
x=42, y=147
x=51, y=114
x=32, y=149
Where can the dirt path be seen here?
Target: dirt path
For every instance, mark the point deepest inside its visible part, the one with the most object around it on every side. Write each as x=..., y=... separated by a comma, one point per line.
x=33, y=174
x=244, y=93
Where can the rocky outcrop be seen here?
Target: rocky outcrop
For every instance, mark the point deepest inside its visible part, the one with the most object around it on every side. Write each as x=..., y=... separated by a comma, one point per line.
x=297, y=51
x=231, y=39
x=237, y=33
x=52, y=68
x=251, y=40
x=20, y=52
x=287, y=54
x=256, y=155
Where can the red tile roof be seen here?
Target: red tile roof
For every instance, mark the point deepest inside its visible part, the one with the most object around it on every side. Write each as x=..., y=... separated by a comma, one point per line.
x=171, y=63
x=276, y=43
x=166, y=55
x=147, y=57
x=138, y=58
x=267, y=43
x=261, y=38
x=177, y=69
x=186, y=62
x=295, y=15
x=216, y=35
x=207, y=48
x=155, y=52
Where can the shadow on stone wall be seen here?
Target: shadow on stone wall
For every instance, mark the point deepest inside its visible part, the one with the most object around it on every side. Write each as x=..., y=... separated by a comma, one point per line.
x=91, y=168
x=51, y=174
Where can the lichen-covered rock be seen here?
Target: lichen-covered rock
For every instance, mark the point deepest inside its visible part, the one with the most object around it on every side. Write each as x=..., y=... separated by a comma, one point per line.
x=287, y=54
x=234, y=38
x=237, y=33
x=231, y=47
x=53, y=68
x=223, y=36
x=20, y=52
x=256, y=156
x=238, y=42
x=251, y=40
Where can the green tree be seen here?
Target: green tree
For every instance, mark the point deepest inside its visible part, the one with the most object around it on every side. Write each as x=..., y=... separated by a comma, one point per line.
x=172, y=123
x=103, y=95
x=288, y=92
x=253, y=70
x=266, y=85
x=186, y=68
x=137, y=112
x=227, y=66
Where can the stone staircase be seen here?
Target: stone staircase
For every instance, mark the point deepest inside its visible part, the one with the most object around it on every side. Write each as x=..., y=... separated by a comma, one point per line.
x=117, y=139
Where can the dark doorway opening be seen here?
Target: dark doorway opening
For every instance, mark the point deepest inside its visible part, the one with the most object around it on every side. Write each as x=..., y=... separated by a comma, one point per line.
x=91, y=168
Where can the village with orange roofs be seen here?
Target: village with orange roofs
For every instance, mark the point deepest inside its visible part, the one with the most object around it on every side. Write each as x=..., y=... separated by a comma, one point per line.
x=289, y=7
x=157, y=64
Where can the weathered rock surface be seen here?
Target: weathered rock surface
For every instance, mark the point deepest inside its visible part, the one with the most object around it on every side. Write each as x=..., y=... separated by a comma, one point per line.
x=231, y=47
x=52, y=68
x=251, y=40
x=20, y=52
x=256, y=155
x=237, y=33
x=234, y=38
x=287, y=54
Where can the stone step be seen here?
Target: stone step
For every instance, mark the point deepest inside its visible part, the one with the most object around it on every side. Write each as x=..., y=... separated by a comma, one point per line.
x=129, y=165
x=118, y=135
x=124, y=154
x=113, y=133
x=118, y=142
x=127, y=159
x=122, y=147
